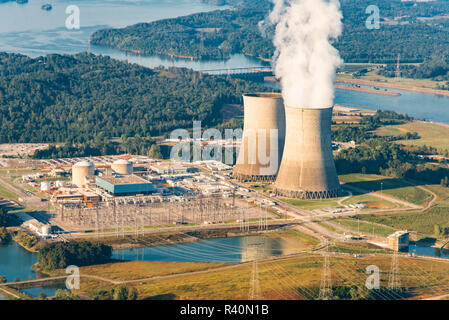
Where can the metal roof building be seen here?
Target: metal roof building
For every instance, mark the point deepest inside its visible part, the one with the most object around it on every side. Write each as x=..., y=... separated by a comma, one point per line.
x=124, y=185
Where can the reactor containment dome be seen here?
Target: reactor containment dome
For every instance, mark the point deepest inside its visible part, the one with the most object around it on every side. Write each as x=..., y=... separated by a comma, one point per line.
x=80, y=171
x=122, y=167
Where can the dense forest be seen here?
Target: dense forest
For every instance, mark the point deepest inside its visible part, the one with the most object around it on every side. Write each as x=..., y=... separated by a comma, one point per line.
x=57, y=255
x=218, y=34
x=82, y=98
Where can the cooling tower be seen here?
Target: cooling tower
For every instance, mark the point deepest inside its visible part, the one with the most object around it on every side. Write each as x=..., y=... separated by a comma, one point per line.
x=307, y=168
x=264, y=114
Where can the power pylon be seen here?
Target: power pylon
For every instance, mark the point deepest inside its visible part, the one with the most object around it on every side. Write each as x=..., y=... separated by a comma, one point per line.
x=254, y=292
x=326, y=280
x=398, y=67
x=394, y=281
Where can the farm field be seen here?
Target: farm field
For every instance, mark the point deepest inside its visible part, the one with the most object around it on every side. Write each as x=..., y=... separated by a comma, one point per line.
x=432, y=134
x=293, y=278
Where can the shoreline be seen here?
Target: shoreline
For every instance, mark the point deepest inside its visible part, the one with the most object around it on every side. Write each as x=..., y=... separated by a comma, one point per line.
x=393, y=86
x=366, y=90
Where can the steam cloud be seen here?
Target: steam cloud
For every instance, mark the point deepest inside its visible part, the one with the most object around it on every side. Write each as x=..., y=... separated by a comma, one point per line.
x=305, y=60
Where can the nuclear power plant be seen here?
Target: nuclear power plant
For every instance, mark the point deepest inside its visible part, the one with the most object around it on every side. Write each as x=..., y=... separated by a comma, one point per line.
x=307, y=169
x=264, y=119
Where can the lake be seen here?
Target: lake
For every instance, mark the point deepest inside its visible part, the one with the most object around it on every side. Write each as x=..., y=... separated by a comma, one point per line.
x=234, y=250
x=29, y=30
x=422, y=106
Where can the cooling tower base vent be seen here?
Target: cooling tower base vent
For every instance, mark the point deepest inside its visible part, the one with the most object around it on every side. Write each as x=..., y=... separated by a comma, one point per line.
x=308, y=195
x=253, y=178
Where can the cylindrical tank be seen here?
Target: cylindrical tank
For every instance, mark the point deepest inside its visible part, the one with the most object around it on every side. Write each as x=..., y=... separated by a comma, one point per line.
x=46, y=230
x=307, y=168
x=45, y=186
x=80, y=171
x=122, y=167
x=264, y=123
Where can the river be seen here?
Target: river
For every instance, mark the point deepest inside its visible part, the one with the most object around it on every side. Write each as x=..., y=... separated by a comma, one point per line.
x=29, y=30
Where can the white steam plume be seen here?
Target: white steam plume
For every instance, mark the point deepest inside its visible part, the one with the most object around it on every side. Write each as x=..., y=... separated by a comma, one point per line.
x=305, y=60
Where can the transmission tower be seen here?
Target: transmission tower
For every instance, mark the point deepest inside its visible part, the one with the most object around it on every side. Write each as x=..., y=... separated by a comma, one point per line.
x=398, y=67
x=326, y=281
x=254, y=292
x=394, y=281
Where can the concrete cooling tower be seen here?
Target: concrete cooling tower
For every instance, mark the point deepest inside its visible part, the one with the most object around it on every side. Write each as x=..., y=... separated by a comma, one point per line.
x=307, y=169
x=264, y=112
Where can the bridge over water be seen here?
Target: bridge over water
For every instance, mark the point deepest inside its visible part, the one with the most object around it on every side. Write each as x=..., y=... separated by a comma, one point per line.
x=247, y=73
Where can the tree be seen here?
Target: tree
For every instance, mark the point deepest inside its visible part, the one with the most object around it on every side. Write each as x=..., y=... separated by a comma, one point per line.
x=3, y=279
x=155, y=152
x=62, y=294
x=132, y=294
x=120, y=293
x=4, y=218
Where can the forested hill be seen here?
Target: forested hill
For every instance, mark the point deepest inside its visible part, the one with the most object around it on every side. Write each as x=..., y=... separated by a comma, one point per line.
x=410, y=29
x=77, y=98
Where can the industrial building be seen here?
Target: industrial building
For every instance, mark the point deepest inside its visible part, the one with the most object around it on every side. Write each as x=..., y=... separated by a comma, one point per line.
x=124, y=185
x=168, y=168
x=399, y=240
x=307, y=168
x=264, y=116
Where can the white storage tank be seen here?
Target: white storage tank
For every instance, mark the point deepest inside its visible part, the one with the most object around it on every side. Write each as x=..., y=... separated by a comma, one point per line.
x=46, y=230
x=45, y=186
x=80, y=171
x=122, y=167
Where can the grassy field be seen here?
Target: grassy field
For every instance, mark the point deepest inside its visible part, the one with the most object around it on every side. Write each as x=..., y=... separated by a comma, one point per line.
x=365, y=227
x=373, y=76
x=420, y=222
x=292, y=278
x=431, y=134
x=7, y=194
x=397, y=188
x=312, y=204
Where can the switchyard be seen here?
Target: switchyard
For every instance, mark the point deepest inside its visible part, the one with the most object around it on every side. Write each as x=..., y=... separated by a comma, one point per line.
x=138, y=213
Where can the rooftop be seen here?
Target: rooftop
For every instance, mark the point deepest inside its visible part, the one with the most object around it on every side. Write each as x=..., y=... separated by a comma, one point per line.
x=123, y=180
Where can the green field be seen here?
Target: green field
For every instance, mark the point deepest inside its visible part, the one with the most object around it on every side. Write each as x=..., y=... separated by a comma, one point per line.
x=420, y=222
x=397, y=188
x=365, y=227
x=434, y=135
x=7, y=194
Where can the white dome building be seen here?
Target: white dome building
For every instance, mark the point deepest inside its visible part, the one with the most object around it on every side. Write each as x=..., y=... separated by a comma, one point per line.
x=122, y=167
x=80, y=171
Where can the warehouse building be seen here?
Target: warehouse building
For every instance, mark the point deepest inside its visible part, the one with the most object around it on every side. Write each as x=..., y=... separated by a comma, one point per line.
x=124, y=185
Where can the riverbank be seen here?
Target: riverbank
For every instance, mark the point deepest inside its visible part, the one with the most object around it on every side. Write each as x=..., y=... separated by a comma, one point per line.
x=355, y=87
x=386, y=85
